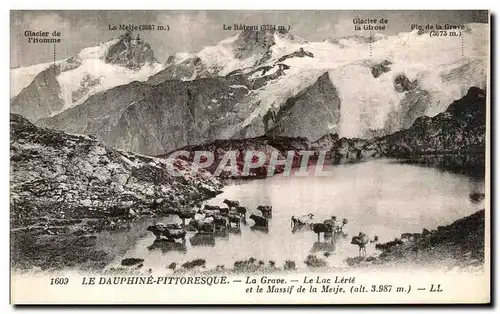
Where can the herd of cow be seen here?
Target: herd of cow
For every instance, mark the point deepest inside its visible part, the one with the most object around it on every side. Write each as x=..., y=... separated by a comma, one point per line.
x=211, y=220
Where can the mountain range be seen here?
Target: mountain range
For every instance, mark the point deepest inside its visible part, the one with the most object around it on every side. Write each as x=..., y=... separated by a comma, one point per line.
x=454, y=140
x=255, y=83
x=45, y=90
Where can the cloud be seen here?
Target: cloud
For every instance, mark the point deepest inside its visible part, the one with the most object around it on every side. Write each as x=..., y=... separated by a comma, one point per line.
x=189, y=32
x=343, y=28
x=43, y=21
x=187, y=26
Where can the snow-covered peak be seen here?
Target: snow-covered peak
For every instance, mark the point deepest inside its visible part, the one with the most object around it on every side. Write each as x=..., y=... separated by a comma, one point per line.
x=97, y=52
x=363, y=69
x=125, y=50
x=130, y=51
x=180, y=57
x=246, y=49
x=442, y=68
x=116, y=62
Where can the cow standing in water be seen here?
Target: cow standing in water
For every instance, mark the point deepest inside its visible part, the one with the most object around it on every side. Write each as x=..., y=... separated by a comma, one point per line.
x=234, y=218
x=299, y=221
x=204, y=225
x=221, y=223
x=171, y=231
x=361, y=241
x=231, y=204
x=337, y=226
x=259, y=221
x=319, y=228
x=183, y=215
x=267, y=211
x=242, y=211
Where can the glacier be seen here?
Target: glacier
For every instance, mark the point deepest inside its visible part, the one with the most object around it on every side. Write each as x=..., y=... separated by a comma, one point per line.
x=416, y=75
x=367, y=101
x=83, y=75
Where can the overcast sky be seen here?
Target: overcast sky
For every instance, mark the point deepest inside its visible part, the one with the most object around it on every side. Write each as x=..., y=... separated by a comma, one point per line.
x=192, y=30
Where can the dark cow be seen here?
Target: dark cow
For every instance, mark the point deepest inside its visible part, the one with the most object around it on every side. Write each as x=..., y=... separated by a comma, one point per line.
x=212, y=207
x=158, y=232
x=231, y=204
x=185, y=214
x=234, y=218
x=361, y=240
x=267, y=211
x=259, y=220
x=175, y=234
x=332, y=223
x=319, y=228
x=338, y=226
x=241, y=210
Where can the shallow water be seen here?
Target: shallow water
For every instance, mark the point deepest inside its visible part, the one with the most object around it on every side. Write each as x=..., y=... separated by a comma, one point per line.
x=380, y=197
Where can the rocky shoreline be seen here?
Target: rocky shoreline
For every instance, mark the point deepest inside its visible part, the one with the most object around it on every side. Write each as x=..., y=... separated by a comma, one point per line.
x=67, y=189
x=459, y=244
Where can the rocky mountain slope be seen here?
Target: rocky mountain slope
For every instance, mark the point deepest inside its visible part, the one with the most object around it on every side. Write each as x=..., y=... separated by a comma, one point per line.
x=65, y=188
x=44, y=90
x=41, y=97
x=295, y=117
x=159, y=118
x=270, y=83
x=462, y=127
x=453, y=140
x=56, y=175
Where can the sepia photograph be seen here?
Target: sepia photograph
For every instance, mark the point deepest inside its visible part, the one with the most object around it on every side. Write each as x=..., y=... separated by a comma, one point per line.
x=250, y=157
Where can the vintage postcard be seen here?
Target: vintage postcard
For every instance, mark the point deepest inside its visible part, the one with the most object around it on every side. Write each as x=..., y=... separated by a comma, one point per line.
x=250, y=157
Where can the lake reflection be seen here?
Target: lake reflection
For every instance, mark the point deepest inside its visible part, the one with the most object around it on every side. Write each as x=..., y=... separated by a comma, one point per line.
x=379, y=197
